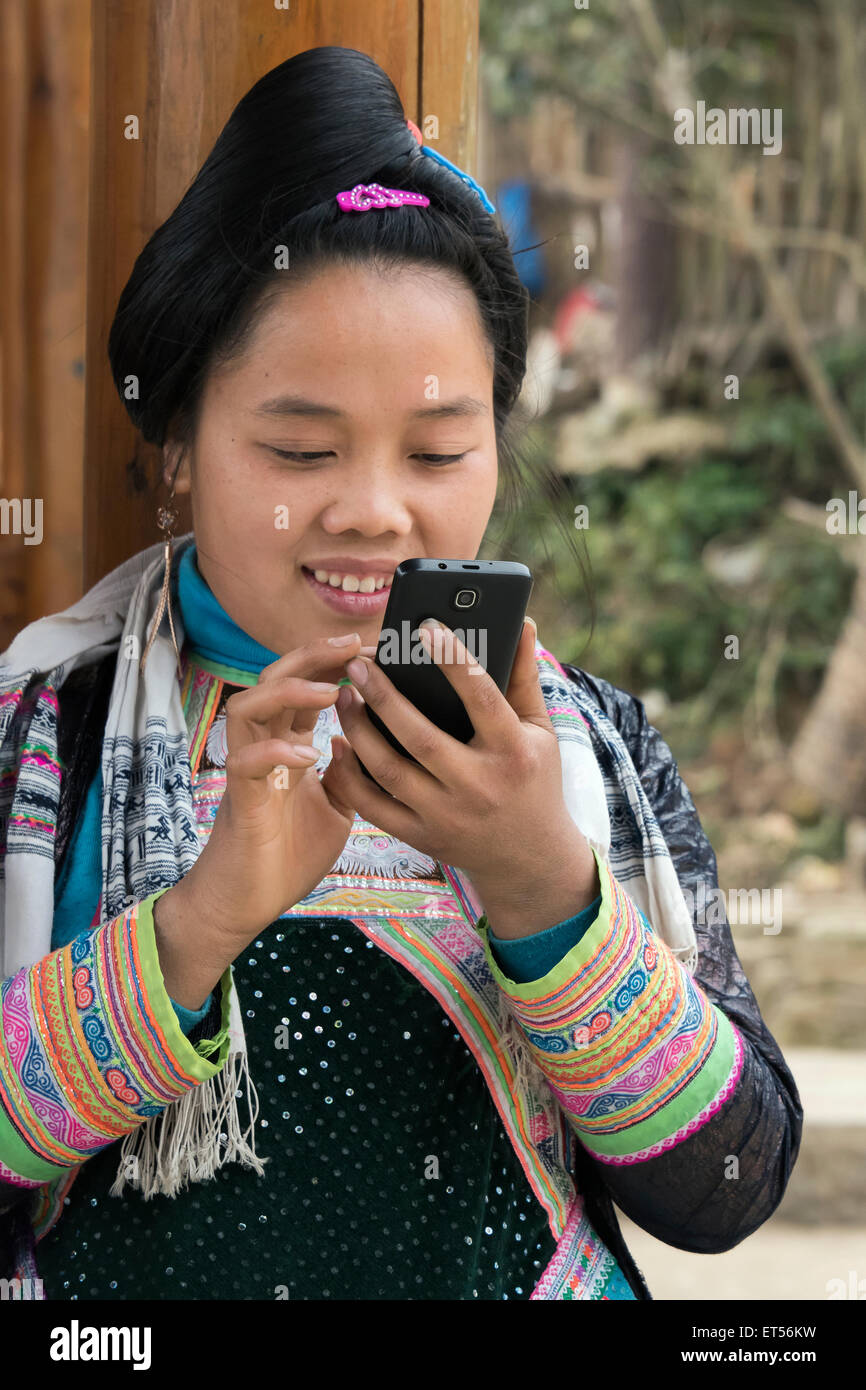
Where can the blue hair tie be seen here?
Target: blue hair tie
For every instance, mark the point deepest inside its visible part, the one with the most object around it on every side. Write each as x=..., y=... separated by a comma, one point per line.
x=467, y=178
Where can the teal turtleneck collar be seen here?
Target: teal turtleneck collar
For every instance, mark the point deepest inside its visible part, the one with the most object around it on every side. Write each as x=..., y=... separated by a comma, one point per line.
x=210, y=632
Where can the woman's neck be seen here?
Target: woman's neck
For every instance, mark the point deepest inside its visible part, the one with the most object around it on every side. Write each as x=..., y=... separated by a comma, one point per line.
x=209, y=628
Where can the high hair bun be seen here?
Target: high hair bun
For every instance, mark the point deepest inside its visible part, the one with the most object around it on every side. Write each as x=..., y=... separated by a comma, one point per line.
x=319, y=123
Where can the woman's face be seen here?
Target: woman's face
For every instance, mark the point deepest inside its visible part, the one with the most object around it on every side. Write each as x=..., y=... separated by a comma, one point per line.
x=368, y=373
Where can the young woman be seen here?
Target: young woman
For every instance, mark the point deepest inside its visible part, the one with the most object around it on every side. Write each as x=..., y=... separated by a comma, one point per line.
x=273, y=1029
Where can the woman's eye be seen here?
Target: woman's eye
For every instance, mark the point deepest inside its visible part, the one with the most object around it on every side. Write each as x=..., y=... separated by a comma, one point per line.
x=298, y=457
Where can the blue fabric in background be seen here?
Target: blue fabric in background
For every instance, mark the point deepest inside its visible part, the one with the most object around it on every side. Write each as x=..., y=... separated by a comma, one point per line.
x=515, y=210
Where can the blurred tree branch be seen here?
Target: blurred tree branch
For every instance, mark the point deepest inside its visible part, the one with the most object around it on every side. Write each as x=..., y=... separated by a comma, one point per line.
x=632, y=67
x=672, y=86
x=829, y=753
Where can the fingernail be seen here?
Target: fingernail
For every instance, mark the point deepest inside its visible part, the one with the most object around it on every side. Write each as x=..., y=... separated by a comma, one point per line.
x=343, y=641
x=534, y=625
x=432, y=624
x=322, y=685
x=357, y=670
x=303, y=750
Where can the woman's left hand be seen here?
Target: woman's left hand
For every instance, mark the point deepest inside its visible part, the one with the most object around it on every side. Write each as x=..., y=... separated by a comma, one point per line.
x=492, y=807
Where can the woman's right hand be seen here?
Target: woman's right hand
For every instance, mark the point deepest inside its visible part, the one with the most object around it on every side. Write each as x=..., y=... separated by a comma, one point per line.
x=277, y=830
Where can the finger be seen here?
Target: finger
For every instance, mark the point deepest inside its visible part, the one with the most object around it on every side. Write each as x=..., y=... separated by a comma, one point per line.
x=260, y=703
x=320, y=659
x=398, y=776
x=493, y=719
x=317, y=660
x=348, y=783
x=524, y=692
x=280, y=708
x=330, y=782
x=438, y=752
x=249, y=770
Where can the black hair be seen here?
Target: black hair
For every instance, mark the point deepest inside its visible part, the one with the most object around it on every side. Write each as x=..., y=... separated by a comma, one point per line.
x=320, y=122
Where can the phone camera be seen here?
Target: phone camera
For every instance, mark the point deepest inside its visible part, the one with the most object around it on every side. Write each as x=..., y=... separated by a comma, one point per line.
x=465, y=598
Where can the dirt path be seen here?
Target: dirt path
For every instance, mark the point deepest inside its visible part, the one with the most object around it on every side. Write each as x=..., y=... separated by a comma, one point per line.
x=779, y=1261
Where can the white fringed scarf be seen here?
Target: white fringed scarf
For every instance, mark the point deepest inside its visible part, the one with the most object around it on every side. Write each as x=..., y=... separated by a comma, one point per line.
x=149, y=837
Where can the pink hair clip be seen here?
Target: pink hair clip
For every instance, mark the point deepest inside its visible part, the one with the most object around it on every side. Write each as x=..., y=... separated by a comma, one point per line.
x=373, y=195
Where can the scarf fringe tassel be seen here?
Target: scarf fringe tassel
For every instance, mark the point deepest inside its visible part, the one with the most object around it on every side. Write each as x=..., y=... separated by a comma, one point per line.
x=687, y=957
x=193, y=1137
x=526, y=1069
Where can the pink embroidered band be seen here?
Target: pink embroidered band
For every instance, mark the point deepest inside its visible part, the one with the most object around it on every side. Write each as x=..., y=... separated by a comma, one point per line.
x=373, y=195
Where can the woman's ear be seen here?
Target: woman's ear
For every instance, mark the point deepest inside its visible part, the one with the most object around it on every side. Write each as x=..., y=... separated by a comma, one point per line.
x=175, y=466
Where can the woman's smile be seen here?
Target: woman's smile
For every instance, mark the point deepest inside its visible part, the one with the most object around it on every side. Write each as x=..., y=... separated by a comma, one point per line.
x=347, y=600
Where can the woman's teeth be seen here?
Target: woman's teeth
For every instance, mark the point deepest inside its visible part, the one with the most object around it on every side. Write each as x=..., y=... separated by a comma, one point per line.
x=351, y=583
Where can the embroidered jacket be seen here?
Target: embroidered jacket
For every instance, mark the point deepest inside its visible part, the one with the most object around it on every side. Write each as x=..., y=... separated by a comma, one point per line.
x=616, y=1074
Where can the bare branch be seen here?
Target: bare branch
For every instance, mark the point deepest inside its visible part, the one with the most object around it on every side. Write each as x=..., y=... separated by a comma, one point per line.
x=720, y=197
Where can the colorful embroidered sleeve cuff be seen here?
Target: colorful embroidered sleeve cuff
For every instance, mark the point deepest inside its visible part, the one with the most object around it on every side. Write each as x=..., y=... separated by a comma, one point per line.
x=91, y=1046
x=630, y=1045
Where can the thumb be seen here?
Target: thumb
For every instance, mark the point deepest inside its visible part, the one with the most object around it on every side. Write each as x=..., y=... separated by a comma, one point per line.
x=330, y=780
x=524, y=689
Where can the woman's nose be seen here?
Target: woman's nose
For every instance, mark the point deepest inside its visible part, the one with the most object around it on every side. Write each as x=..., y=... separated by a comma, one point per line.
x=372, y=503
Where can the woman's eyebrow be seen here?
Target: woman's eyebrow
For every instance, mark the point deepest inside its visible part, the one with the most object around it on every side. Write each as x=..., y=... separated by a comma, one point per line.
x=300, y=405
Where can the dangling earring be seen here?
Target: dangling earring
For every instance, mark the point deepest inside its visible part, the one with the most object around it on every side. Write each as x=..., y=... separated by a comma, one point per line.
x=166, y=518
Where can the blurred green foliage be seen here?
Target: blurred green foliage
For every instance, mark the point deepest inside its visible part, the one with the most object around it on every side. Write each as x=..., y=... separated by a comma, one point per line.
x=662, y=612
x=597, y=57
x=679, y=556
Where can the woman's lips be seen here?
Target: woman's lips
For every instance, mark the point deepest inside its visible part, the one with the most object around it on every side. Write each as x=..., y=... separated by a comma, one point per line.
x=343, y=601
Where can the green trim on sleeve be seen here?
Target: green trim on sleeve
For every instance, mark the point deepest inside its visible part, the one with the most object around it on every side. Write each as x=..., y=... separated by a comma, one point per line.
x=191, y=1058
x=694, y=1097
x=565, y=970
x=610, y=1007
x=20, y=1159
x=119, y=959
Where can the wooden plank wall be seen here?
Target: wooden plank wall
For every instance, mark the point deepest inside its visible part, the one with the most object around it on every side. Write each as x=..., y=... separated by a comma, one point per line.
x=44, y=106
x=79, y=201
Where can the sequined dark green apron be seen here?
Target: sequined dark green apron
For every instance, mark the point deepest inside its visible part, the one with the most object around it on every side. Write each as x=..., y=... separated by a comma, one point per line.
x=390, y=1173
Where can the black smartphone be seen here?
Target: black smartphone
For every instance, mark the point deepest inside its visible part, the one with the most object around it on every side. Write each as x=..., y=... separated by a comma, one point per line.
x=482, y=601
